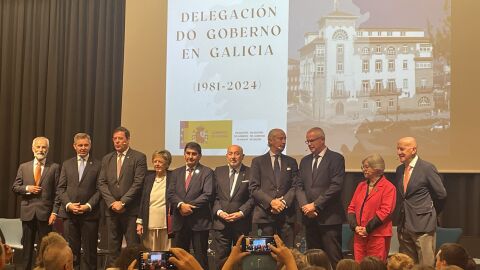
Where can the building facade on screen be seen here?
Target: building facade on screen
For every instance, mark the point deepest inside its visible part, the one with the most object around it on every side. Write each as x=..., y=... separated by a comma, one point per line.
x=348, y=72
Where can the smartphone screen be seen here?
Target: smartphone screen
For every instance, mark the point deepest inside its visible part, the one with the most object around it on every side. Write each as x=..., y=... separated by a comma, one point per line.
x=155, y=260
x=257, y=245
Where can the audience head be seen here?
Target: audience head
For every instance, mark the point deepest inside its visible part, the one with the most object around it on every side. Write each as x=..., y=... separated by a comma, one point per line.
x=235, y=156
x=451, y=254
x=192, y=154
x=347, y=264
x=277, y=139
x=2, y=257
x=471, y=265
x=372, y=263
x=315, y=140
x=300, y=259
x=312, y=267
x=127, y=256
x=50, y=239
x=318, y=257
x=58, y=256
x=161, y=160
x=400, y=261
x=422, y=267
x=373, y=166
x=452, y=267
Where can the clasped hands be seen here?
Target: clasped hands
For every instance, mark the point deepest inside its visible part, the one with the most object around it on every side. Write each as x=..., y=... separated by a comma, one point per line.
x=277, y=205
x=230, y=217
x=118, y=207
x=362, y=231
x=186, y=209
x=309, y=210
x=78, y=209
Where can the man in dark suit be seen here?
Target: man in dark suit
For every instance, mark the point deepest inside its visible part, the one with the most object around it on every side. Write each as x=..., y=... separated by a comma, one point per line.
x=233, y=204
x=36, y=183
x=191, y=194
x=319, y=195
x=422, y=196
x=80, y=202
x=273, y=183
x=120, y=183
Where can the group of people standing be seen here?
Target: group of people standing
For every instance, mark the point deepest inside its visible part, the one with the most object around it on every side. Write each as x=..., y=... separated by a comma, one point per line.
x=181, y=207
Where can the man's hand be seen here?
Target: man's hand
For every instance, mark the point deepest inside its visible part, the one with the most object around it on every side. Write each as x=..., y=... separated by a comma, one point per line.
x=34, y=189
x=184, y=260
x=139, y=229
x=8, y=252
x=313, y=214
x=281, y=253
x=186, y=209
x=118, y=207
x=52, y=219
x=224, y=215
x=234, y=216
x=277, y=206
x=83, y=209
x=236, y=255
x=308, y=208
x=74, y=208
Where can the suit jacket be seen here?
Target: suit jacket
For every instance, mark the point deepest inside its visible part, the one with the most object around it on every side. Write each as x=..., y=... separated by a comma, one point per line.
x=380, y=203
x=325, y=190
x=73, y=190
x=424, y=198
x=44, y=203
x=240, y=200
x=128, y=187
x=199, y=193
x=145, y=201
x=264, y=189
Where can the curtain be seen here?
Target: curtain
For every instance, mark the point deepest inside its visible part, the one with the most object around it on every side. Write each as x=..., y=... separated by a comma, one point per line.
x=61, y=69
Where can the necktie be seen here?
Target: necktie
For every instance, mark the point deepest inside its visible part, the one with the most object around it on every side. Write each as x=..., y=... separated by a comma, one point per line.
x=406, y=178
x=276, y=170
x=81, y=168
x=119, y=164
x=38, y=173
x=232, y=179
x=189, y=177
x=315, y=166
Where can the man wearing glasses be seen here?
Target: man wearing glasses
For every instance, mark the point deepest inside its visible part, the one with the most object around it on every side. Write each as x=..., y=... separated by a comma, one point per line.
x=321, y=176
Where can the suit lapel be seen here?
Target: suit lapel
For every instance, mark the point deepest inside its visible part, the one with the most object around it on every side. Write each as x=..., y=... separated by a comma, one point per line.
x=45, y=171
x=267, y=161
x=193, y=179
x=321, y=167
x=88, y=165
x=241, y=177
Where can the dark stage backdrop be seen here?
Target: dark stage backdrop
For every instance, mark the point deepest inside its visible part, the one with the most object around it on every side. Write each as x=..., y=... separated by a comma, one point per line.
x=61, y=65
x=61, y=69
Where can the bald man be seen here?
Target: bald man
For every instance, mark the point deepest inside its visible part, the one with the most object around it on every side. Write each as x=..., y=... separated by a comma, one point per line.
x=273, y=184
x=422, y=195
x=233, y=203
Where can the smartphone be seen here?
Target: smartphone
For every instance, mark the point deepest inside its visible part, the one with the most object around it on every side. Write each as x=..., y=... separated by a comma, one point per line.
x=155, y=260
x=257, y=245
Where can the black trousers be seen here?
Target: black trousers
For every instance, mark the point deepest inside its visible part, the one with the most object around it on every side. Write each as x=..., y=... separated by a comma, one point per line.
x=282, y=228
x=120, y=225
x=199, y=240
x=32, y=229
x=326, y=237
x=222, y=243
x=81, y=233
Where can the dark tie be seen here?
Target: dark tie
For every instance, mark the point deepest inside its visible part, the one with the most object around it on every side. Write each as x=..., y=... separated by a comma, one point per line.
x=81, y=168
x=189, y=177
x=315, y=166
x=232, y=179
x=276, y=170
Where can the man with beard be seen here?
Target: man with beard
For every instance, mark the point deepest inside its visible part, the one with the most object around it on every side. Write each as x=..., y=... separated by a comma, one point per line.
x=233, y=204
x=36, y=183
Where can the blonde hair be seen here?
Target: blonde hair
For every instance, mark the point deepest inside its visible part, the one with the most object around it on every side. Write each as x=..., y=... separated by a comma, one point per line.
x=376, y=162
x=400, y=261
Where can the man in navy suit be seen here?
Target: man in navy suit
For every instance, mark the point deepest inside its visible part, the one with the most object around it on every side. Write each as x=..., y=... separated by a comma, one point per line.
x=80, y=202
x=233, y=204
x=120, y=183
x=422, y=196
x=319, y=195
x=274, y=178
x=36, y=183
x=191, y=194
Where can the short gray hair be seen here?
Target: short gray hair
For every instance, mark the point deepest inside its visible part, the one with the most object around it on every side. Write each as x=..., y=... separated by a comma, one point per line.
x=41, y=138
x=81, y=135
x=376, y=162
x=165, y=154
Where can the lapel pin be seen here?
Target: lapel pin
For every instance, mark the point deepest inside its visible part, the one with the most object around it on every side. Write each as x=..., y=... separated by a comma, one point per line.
x=197, y=171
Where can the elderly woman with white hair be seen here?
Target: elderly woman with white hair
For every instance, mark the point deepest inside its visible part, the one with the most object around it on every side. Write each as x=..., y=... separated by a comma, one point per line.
x=369, y=212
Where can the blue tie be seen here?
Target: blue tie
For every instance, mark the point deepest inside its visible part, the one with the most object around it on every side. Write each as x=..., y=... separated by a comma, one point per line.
x=81, y=168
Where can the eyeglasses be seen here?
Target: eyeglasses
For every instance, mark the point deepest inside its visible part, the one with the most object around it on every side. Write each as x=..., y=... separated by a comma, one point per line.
x=364, y=167
x=312, y=140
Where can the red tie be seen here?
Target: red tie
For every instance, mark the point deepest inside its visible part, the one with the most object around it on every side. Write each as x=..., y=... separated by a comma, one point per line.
x=406, y=178
x=38, y=173
x=189, y=177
